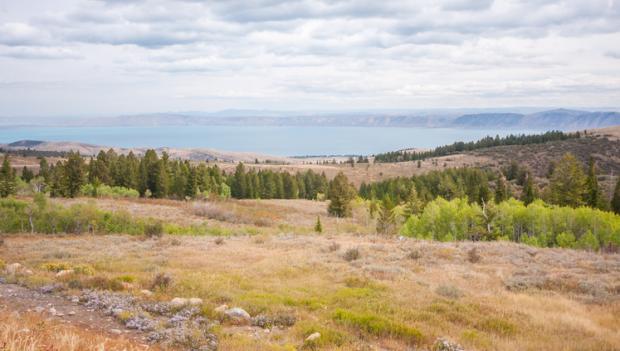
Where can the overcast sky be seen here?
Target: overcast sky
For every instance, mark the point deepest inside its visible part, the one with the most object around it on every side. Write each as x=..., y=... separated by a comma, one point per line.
x=96, y=57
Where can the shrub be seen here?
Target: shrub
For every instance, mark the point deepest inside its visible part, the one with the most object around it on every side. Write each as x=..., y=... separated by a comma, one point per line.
x=333, y=247
x=2, y=264
x=351, y=254
x=126, y=278
x=414, y=255
x=83, y=269
x=449, y=291
x=103, y=283
x=377, y=326
x=154, y=229
x=565, y=240
x=56, y=267
x=161, y=281
x=497, y=326
x=473, y=256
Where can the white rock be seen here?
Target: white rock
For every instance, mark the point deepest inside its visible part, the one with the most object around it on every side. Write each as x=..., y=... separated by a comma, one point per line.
x=39, y=309
x=220, y=309
x=178, y=302
x=313, y=337
x=52, y=311
x=117, y=312
x=64, y=272
x=195, y=301
x=115, y=331
x=28, y=272
x=147, y=293
x=71, y=313
x=238, y=315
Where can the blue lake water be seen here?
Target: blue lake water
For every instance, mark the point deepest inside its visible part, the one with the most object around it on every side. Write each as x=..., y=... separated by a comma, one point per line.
x=282, y=141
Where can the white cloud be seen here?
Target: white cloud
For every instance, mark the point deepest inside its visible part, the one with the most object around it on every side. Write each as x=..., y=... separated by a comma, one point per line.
x=306, y=53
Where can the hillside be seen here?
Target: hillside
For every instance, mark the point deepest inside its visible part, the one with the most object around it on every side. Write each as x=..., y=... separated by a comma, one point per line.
x=394, y=294
x=563, y=119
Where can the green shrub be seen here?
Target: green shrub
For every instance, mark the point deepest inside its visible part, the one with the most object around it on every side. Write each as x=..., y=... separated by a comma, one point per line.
x=2, y=264
x=565, y=240
x=378, y=326
x=154, y=229
x=83, y=269
x=56, y=267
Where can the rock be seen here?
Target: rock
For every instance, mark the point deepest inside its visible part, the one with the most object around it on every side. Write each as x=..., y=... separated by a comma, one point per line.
x=28, y=272
x=115, y=331
x=147, y=293
x=195, y=301
x=117, y=312
x=50, y=288
x=178, y=302
x=64, y=272
x=445, y=345
x=220, y=309
x=75, y=299
x=13, y=268
x=238, y=316
x=39, y=309
x=71, y=313
x=52, y=311
x=313, y=337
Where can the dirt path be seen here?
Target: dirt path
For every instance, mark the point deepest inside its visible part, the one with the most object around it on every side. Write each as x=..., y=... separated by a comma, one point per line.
x=15, y=298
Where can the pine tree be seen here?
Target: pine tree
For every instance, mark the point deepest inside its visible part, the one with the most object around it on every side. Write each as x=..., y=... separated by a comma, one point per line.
x=74, y=174
x=386, y=220
x=594, y=196
x=568, y=183
x=44, y=169
x=615, y=201
x=239, y=186
x=413, y=205
x=27, y=174
x=340, y=194
x=7, y=178
x=318, y=227
x=529, y=191
x=501, y=190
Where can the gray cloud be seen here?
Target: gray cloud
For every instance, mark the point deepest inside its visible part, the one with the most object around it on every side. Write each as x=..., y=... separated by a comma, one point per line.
x=307, y=50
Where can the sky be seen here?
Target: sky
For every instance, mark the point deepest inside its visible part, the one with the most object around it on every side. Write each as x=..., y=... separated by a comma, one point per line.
x=109, y=57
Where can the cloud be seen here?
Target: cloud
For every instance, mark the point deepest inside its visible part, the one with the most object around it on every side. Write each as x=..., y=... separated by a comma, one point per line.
x=306, y=51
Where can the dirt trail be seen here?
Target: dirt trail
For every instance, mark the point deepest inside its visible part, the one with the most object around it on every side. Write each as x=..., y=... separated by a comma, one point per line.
x=15, y=298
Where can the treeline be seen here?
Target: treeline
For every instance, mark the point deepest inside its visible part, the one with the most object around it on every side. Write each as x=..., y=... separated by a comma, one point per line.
x=160, y=177
x=472, y=183
x=457, y=147
x=569, y=183
x=536, y=224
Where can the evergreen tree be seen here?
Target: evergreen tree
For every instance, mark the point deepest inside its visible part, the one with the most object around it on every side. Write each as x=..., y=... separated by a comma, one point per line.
x=318, y=227
x=74, y=174
x=529, y=191
x=414, y=205
x=386, y=220
x=7, y=178
x=27, y=174
x=501, y=190
x=594, y=196
x=615, y=201
x=567, y=183
x=44, y=169
x=239, y=186
x=340, y=194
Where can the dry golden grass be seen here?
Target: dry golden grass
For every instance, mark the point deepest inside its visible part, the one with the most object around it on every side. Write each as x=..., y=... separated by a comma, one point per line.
x=383, y=292
x=31, y=332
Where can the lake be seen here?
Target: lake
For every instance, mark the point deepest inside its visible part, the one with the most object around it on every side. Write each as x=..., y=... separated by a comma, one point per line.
x=281, y=141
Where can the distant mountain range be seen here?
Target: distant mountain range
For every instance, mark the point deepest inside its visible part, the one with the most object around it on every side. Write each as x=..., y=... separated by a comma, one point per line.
x=562, y=119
